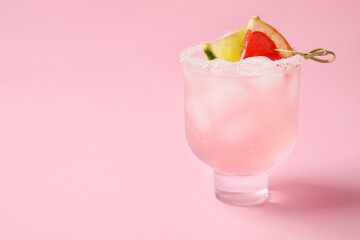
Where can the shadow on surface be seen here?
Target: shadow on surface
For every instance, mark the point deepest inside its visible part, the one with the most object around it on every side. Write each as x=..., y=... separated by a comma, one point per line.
x=296, y=196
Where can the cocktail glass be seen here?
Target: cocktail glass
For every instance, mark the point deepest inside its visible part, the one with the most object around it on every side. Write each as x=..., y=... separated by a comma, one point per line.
x=241, y=119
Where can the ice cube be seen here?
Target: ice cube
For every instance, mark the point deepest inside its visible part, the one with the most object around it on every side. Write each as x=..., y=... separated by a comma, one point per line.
x=226, y=97
x=257, y=65
x=257, y=59
x=292, y=83
x=195, y=111
x=239, y=128
x=216, y=100
x=268, y=83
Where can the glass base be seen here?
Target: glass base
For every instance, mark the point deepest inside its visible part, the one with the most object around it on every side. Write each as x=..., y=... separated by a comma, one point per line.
x=243, y=190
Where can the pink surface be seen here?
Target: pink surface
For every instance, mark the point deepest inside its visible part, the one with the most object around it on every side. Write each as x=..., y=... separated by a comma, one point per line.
x=92, y=139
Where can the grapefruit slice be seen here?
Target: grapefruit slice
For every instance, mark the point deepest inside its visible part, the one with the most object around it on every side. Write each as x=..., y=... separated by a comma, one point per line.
x=227, y=47
x=261, y=39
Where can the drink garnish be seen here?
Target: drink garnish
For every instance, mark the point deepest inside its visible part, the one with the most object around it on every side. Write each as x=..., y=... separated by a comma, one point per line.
x=258, y=38
x=261, y=39
x=313, y=54
x=227, y=47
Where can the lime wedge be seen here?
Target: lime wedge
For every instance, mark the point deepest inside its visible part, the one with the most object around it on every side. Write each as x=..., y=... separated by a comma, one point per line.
x=227, y=47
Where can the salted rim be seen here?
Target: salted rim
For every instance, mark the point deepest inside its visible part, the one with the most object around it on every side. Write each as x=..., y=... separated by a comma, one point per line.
x=240, y=67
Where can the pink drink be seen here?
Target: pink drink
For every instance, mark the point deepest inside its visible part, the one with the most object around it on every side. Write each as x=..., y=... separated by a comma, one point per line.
x=241, y=119
x=241, y=124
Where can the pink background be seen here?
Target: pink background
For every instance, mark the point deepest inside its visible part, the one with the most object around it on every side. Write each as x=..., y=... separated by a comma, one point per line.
x=92, y=140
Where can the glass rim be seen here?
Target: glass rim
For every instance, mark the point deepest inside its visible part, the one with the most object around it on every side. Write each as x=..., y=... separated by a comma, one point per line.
x=239, y=68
